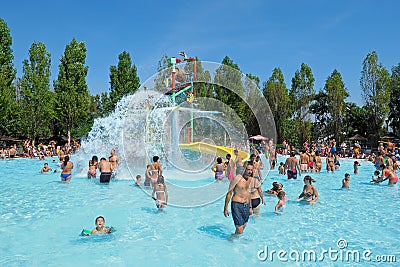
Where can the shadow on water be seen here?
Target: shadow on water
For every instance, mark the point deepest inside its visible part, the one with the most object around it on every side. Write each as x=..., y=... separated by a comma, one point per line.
x=218, y=231
x=150, y=210
x=101, y=238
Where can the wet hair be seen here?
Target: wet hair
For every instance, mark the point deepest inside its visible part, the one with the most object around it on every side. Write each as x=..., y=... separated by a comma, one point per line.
x=252, y=155
x=275, y=185
x=138, y=177
x=219, y=160
x=356, y=162
x=281, y=194
x=160, y=179
x=99, y=217
x=346, y=175
x=102, y=159
x=66, y=159
x=281, y=163
x=292, y=154
x=308, y=178
x=228, y=156
x=376, y=173
x=235, y=151
x=95, y=159
x=156, y=158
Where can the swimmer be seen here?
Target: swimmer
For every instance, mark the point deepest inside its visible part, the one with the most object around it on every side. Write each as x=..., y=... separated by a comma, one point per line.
x=281, y=202
x=346, y=181
x=356, y=164
x=389, y=175
x=100, y=228
x=160, y=190
x=376, y=179
x=154, y=171
x=138, y=180
x=276, y=188
x=45, y=168
x=310, y=192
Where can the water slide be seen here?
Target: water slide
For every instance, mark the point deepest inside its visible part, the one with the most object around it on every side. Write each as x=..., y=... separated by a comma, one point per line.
x=219, y=151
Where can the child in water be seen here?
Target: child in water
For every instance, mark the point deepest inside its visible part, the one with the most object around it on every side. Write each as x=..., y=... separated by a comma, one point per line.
x=376, y=179
x=281, y=169
x=356, y=164
x=100, y=228
x=281, y=202
x=346, y=180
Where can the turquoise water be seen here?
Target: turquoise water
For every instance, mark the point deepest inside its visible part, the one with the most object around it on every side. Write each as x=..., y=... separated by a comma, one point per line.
x=41, y=219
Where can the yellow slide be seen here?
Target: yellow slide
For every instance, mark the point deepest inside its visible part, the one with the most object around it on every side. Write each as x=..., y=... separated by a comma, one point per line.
x=219, y=151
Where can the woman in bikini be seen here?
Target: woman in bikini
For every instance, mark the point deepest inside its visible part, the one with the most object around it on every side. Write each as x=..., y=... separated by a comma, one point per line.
x=92, y=167
x=154, y=171
x=66, y=167
x=330, y=163
x=160, y=190
x=310, y=193
x=389, y=175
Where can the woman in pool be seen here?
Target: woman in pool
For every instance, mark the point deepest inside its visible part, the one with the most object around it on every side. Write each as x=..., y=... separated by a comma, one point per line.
x=160, y=190
x=218, y=168
x=310, y=192
x=66, y=167
x=330, y=162
x=92, y=167
x=389, y=175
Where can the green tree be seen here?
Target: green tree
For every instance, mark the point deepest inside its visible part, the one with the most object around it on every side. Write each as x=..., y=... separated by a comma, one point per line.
x=394, y=105
x=123, y=79
x=336, y=94
x=229, y=88
x=302, y=94
x=320, y=109
x=277, y=95
x=73, y=98
x=375, y=83
x=7, y=76
x=36, y=99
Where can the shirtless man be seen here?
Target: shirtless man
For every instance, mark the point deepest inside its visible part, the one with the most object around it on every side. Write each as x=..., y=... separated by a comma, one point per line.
x=45, y=168
x=114, y=160
x=238, y=162
x=106, y=169
x=304, y=159
x=379, y=161
x=240, y=205
x=12, y=152
x=154, y=171
x=272, y=157
x=292, y=166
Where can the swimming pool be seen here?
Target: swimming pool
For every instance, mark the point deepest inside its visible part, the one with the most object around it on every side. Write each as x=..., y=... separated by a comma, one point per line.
x=41, y=219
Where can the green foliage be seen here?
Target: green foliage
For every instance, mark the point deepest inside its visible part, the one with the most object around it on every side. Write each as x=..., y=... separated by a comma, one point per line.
x=7, y=76
x=301, y=94
x=123, y=79
x=73, y=98
x=320, y=109
x=277, y=95
x=394, y=104
x=35, y=97
x=336, y=94
x=375, y=83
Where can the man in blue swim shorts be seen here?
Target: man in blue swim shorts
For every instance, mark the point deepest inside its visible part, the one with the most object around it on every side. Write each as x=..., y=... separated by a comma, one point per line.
x=292, y=165
x=240, y=206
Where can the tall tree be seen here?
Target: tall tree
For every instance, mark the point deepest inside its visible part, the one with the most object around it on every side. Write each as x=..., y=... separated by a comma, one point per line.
x=336, y=94
x=36, y=98
x=229, y=87
x=394, y=105
x=7, y=76
x=277, y=95
x=123, y=79
x=375, y=81
x=301, y=94
x=320, y=109
x=73, y=98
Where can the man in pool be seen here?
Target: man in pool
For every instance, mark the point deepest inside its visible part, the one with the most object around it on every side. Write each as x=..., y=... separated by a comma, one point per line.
x=240, y=205
x=292, y=165
x=238, y=162
x=106, y=169
x=114, y=160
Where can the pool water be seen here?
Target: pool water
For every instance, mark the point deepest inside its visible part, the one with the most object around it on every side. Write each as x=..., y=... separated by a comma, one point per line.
x=41, y=219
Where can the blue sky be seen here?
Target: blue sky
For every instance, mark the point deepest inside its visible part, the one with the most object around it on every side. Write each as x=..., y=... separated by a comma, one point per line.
x=257, y=35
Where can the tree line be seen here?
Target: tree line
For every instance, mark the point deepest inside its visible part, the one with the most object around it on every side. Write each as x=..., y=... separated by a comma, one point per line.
x=32, y=106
